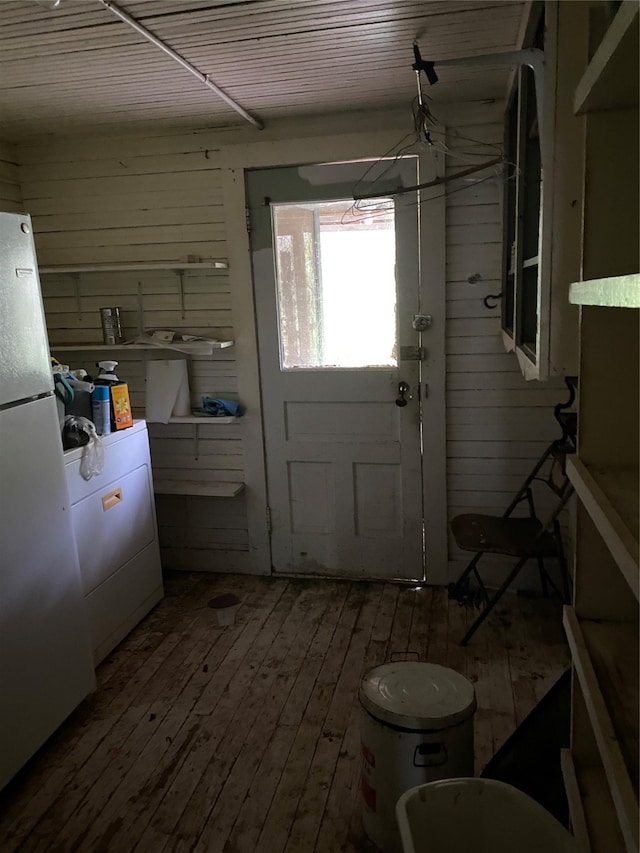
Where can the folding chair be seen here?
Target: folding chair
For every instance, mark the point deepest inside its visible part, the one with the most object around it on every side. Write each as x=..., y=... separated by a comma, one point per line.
x=525, y=538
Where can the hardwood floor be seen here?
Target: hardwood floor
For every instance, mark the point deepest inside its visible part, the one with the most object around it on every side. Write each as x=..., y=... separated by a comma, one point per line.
x=245, y=738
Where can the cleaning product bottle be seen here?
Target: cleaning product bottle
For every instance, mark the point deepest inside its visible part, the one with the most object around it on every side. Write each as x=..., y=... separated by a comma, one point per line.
x=121, y=416
x=107, y=374
x=106, y=379
x=101, y=409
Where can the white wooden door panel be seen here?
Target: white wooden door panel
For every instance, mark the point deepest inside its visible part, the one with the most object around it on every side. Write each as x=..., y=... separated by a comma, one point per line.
x=343, y=460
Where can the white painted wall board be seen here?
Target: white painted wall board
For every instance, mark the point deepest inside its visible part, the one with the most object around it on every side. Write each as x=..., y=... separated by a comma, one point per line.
x=497, y=424
x=482, y=417
x=10, y=189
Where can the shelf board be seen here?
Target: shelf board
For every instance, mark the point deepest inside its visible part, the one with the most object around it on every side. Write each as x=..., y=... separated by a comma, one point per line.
x=605, y=659
x=611, y=78
x=200, y=419
x=183, y=347
x=613, y=649
x=574, y=800
x=167, y=265
x=620, y=291
x=610, y=496
x=595, y=808
x=199, y=488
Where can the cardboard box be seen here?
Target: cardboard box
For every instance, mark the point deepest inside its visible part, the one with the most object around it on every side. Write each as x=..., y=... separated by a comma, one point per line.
x=121, y=406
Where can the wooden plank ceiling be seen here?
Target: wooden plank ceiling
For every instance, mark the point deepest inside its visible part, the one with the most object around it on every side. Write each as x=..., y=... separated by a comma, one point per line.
x=78, y=67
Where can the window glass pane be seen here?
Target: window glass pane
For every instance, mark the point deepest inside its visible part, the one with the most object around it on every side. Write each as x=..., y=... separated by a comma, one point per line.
x=336, y=289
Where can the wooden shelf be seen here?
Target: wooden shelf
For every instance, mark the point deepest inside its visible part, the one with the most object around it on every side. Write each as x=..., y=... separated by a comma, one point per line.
x=611, y=78
x=183, y=347
x=621, y=291
x=613, y=649
x=610, y=496
x=593, y=814
x=574, y=799
x=198, y=488
x=605, y=659
x=167, y=265
x=201, y=419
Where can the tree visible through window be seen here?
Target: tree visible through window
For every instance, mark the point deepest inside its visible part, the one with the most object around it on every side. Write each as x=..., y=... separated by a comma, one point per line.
x=335, y=271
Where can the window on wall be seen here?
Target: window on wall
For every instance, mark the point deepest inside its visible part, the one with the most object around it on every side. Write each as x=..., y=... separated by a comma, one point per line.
x=333, y=267
x=521, y=218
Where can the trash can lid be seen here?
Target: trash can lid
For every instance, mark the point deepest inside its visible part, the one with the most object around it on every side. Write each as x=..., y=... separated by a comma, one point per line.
x=416, y=695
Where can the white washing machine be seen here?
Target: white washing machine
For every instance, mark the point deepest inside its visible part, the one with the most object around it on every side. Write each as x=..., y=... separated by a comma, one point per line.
x=114, y=523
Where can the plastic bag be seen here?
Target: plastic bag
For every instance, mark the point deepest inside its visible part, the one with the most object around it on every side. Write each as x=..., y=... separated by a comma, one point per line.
x=84, y=432
x=74, y=432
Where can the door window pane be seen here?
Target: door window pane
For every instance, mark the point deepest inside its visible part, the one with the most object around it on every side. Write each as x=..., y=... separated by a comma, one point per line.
x=336, y=289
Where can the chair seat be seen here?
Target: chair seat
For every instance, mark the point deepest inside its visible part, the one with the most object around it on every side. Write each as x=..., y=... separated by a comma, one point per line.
x=511, y=536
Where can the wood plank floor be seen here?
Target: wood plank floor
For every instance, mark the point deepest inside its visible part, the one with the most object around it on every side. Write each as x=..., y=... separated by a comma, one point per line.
x=245, y=738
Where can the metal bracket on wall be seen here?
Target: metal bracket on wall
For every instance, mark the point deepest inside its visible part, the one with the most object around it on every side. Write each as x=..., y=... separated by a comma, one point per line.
x=489, y=296
x=413, y=353
x=181, y=279
x=196, y=441
x=140, y=309
x=76, y=293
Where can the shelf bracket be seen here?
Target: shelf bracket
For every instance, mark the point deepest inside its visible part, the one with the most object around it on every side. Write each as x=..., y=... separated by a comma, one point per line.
x=76, y=293
x=181, y=279
x=196, y=441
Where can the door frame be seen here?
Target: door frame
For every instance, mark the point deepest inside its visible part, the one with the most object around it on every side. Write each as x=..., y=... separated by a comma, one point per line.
x=234, y=161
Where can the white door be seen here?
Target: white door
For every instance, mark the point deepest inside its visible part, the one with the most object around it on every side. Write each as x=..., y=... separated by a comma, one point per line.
x=336, y=294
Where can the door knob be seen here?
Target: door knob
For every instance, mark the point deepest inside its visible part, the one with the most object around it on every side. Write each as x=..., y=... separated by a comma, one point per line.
x=402, y=390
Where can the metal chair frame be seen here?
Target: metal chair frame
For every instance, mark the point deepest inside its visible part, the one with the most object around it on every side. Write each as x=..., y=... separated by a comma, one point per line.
x=558, y=450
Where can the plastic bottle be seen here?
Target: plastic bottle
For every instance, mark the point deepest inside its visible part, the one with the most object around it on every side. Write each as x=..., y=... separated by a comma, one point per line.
x=107, y=378
x=101, y=409
x=107, y=375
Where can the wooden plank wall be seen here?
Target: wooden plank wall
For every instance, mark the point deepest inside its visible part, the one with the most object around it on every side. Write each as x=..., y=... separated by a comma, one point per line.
x=158, y=198
x=498, y=424
x=151, y=199
x=10, y=192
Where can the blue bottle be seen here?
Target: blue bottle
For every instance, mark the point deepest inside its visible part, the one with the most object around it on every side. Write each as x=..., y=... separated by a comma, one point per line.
x=101, y=409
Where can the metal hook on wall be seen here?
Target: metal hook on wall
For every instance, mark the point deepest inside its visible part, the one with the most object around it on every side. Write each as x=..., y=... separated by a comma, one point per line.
x=496, y=296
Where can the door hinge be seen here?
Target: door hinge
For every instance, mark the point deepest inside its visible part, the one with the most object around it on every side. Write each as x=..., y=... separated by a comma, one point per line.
x=268, y=517
x=247, y=219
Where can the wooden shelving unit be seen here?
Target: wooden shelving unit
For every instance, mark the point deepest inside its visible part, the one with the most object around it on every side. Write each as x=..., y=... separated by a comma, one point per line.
x=591, y=806
x=601, y=772
x=574, y=799
x=611, y=78
x=179, y=347
x=622, y=291
x=133, y=267
x=595, y=649
x=202, y=419
x=610, y=496
x=198, y=488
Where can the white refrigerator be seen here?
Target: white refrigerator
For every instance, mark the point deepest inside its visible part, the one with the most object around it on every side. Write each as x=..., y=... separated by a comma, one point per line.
x=46, y=666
